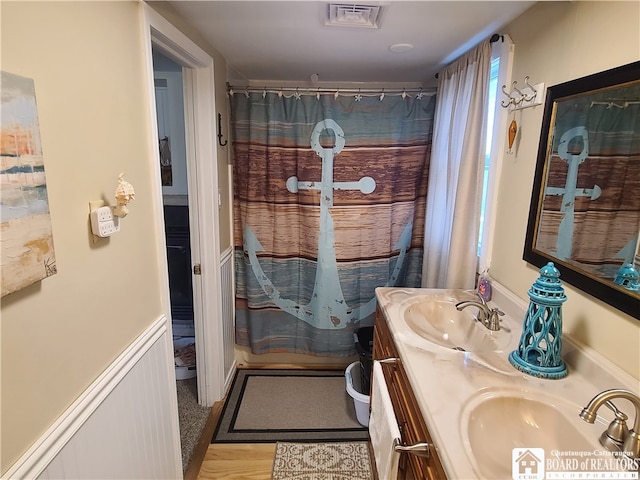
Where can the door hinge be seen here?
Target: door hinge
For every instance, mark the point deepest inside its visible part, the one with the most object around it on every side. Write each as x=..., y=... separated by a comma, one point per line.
x=197, y=269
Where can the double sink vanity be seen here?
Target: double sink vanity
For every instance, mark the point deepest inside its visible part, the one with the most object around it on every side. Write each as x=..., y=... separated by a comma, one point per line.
x=453, y=387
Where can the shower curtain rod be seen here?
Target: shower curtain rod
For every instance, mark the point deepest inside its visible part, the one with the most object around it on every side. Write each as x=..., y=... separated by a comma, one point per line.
x=333, y=91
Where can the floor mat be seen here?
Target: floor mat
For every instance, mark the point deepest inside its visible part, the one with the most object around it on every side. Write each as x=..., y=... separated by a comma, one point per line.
x=337, y=461
x=288, y=405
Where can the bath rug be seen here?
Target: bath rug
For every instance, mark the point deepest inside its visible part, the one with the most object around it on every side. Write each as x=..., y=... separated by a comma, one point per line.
x=288, y=405
x=322, y=461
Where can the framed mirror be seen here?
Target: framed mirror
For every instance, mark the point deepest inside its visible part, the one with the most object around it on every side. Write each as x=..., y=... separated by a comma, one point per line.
x=585, y=204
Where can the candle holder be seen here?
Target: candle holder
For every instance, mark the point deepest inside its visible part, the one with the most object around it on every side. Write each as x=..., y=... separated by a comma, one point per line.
x=538, y=353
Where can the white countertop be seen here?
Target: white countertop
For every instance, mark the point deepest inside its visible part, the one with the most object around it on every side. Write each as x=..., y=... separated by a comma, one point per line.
x=446, y=382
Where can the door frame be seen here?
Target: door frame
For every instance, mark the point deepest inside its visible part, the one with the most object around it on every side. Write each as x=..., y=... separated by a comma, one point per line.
x=199, y=96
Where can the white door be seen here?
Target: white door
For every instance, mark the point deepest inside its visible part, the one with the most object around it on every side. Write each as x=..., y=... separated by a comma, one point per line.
x=202, y=180
x=169, y=99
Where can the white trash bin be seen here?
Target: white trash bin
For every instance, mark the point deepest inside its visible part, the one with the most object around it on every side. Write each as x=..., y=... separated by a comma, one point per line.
x=360, y=400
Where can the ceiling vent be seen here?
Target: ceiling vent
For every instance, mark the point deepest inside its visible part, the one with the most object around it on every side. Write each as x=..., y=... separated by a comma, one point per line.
x=352, y=15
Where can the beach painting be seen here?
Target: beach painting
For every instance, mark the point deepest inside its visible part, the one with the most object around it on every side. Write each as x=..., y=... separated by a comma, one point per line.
x=26, y=240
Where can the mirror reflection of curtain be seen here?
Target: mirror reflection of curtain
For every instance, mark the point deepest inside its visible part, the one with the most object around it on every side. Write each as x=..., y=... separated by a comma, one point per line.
x=457, y=170
x=329, y=202
x=591, y=209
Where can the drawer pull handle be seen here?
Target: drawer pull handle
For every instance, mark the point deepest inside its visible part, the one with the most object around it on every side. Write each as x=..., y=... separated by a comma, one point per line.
x=389, y=360
x=419, y=449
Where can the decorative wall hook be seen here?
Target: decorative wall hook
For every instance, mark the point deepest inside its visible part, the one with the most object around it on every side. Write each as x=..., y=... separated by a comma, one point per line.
x=513, y=98
x=220, y=132
x=531, y=88
x=524, y=97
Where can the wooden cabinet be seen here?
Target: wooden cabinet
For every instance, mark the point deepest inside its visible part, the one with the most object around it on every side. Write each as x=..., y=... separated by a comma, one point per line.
x=410, y=420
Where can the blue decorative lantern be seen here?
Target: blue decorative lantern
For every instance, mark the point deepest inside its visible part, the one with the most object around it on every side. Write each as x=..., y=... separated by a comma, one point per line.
x=628, y=277
x=538, y=353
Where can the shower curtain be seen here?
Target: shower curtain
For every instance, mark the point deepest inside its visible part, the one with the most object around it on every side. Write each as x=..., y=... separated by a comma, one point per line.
x=329, y=203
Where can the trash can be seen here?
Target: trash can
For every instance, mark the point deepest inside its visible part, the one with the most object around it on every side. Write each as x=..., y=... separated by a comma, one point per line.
x=364, y=347
x=360, y=400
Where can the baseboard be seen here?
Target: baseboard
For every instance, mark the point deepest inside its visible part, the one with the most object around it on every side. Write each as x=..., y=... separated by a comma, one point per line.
x=56, y=439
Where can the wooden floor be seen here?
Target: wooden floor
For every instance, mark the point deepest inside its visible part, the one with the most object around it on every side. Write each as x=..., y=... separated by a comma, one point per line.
x=250, y=461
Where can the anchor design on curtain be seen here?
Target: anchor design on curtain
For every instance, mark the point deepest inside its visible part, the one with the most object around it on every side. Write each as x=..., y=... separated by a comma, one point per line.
x=327, y=308
x=570, y=192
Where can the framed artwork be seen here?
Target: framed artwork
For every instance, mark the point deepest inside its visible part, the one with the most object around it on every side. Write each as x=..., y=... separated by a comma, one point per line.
x=26, y=240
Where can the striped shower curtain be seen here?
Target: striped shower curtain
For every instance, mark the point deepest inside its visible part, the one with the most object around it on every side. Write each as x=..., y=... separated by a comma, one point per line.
x=329, y=203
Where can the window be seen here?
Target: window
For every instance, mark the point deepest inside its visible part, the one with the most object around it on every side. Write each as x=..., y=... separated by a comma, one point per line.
x=497, y=116
x=493, y=88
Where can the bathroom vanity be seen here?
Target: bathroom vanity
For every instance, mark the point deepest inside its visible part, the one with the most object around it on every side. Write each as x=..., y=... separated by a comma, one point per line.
x=410, y=419
x=453, y=387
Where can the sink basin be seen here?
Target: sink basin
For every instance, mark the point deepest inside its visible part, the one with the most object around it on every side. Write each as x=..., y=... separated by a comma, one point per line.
x=495, y=424
x=436, y=319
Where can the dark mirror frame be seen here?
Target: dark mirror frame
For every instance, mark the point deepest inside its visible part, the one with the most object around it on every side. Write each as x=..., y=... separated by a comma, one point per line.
x=608, y=292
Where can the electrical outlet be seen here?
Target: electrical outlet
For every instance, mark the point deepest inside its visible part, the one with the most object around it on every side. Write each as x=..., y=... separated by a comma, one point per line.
x=103, y=222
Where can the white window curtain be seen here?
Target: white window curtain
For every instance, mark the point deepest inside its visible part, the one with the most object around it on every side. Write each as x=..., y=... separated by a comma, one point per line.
x=456, y=172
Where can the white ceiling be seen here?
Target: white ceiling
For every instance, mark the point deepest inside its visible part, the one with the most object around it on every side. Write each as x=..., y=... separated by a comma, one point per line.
x=287, y=41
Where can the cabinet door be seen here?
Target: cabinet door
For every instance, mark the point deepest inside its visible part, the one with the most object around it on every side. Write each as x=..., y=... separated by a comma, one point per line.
x=408, y=415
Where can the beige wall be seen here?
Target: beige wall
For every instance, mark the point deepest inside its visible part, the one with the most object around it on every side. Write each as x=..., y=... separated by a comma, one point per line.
x=556, y=42
x=57, y=336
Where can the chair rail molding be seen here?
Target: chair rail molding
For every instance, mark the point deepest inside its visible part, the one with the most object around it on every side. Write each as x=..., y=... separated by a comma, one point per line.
x=112, y=415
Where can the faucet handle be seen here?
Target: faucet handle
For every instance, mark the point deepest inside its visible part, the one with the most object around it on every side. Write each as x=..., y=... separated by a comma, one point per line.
x=614, y=436
x=493, y=321
x=619, y=414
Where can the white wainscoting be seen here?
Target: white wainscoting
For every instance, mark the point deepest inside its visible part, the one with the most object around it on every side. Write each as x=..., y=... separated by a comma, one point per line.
x=124, y=426
x=228, y=313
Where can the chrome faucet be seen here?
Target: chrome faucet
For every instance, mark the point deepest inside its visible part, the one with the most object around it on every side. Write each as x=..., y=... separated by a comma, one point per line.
x=489, y=317
x=617, y=433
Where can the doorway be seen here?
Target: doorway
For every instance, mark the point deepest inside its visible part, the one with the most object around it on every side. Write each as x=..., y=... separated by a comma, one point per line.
x=174, y=174
x=175, y=200
x=209, y=269
x=203, y=203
